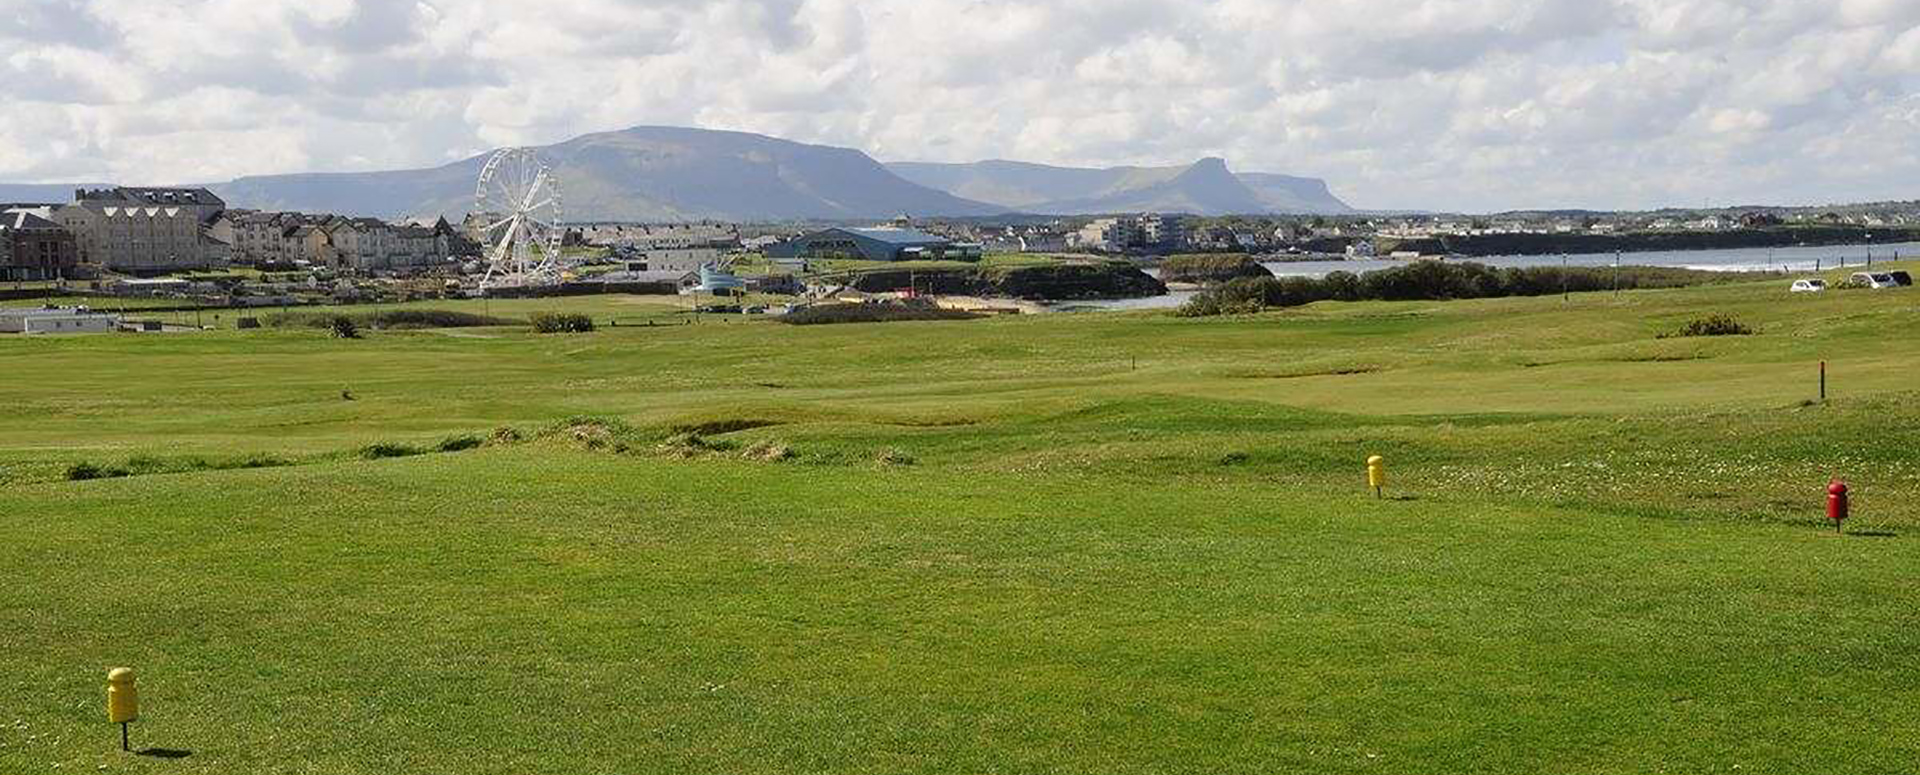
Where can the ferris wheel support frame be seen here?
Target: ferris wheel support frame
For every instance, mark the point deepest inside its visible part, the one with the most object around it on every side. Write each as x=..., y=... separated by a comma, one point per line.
x=523, y=247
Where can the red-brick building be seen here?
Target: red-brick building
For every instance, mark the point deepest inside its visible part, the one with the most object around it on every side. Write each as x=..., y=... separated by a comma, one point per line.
x=33, y=247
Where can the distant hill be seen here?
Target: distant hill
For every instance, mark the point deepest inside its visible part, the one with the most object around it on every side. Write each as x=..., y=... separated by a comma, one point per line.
x=653, y=173
x=1290, y=194
x=639, y=174
x=1205, y=187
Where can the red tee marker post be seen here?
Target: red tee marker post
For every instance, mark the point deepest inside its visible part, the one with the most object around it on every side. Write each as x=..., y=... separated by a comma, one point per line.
x=1837, y=503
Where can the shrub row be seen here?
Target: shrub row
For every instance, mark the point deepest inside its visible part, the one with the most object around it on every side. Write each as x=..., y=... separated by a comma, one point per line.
x=1435, y=280
x=393, y=319
x=561, y=323
x=869, y=313
x=144, y=466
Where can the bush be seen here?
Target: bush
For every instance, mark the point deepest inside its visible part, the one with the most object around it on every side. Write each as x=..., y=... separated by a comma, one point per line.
x=561, y=323
x=389, y=319
x=343, y=327
x=593, y=432
x=1206, y=305
x=1713, y=325
x=433, y=318
x=823, y=314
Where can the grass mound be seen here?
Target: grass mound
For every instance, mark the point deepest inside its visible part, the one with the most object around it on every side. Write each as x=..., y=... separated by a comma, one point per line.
x=690, y=445
x=594, y=433
x=768, y=452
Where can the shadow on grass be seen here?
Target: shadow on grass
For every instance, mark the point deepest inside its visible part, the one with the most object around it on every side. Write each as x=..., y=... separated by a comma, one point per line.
x=1872, y=534
x=163, y=753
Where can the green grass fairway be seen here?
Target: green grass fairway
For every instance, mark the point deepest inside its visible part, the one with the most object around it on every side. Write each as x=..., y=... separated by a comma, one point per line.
x=1103, y=543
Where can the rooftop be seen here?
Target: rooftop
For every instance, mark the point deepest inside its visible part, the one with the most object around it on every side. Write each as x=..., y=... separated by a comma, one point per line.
x=23, y=219
x=152, y=196
x=900, y=236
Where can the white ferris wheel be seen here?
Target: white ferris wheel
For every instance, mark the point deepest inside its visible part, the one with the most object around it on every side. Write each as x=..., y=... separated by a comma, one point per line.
x=520, y=198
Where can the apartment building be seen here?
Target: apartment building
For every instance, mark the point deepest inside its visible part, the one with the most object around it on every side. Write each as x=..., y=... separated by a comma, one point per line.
x=146, y=229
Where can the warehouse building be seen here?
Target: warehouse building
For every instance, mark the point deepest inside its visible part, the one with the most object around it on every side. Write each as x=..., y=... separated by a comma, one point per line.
x=874, y=245
x=56, y=320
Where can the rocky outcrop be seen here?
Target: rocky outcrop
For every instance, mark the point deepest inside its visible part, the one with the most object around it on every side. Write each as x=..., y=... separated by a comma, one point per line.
x=1211, y=269
x=1056, y=282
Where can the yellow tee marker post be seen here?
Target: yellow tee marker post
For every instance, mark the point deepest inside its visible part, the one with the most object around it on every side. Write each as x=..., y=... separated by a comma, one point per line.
x=123, y=702
x=1376, y=474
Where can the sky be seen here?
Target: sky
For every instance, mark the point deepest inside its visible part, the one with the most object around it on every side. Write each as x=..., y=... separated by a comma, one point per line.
x=1459, y=105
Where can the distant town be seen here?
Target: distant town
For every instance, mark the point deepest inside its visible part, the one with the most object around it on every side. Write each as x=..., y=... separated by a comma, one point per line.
x=185, y=243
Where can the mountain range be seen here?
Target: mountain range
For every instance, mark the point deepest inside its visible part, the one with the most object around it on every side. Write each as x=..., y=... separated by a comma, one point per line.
x=1205, y=187
x=676, y=174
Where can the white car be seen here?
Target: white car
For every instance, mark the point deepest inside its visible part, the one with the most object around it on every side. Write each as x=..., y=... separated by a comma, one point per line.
x=1809, y=286
x=1873, y=280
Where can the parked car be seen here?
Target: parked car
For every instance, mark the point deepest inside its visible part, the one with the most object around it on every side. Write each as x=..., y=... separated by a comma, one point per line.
x=1873, y=280
x=1809, y=286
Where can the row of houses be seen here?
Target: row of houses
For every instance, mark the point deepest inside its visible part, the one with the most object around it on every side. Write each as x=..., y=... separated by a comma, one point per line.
x=125, y=229
x=147, y=231
x=657, y=236
x=339, y=242
x=875, y=244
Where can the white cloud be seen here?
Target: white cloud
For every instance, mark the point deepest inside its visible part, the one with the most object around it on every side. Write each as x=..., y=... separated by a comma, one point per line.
x=1478, y=104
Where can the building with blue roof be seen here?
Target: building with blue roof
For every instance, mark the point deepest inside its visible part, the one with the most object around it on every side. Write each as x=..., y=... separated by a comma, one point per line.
x=874, y=245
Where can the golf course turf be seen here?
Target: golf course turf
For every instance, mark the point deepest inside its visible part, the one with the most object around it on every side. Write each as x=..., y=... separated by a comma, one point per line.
x=1086, y=543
